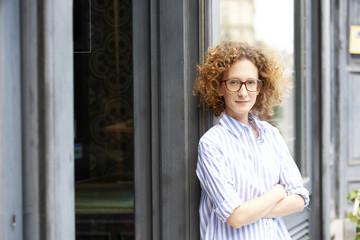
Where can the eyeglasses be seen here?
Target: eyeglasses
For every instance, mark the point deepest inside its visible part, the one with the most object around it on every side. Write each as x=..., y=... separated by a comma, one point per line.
x=251, y=85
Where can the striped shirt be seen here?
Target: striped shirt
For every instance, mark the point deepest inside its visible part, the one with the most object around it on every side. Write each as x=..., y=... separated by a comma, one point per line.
x=234, y=167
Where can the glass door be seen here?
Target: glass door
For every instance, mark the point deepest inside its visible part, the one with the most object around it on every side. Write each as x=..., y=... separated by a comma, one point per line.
x=103, y=105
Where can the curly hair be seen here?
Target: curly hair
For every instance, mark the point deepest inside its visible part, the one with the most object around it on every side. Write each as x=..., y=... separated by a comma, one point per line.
x=220, y=58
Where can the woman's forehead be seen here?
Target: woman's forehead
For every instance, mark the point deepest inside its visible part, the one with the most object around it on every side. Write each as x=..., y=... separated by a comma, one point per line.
x=242, y=68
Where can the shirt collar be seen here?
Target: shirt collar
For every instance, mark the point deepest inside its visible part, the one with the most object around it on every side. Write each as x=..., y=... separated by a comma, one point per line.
x=237, y=128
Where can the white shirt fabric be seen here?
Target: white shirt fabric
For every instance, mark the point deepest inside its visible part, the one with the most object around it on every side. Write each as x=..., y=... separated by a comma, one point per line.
x=234, y=167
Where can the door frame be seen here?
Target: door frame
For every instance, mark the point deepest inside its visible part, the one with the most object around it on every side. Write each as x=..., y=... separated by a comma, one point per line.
x=166, y=117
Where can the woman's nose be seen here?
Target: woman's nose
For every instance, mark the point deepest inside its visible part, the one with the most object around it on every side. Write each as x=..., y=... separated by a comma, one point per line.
x=242, y=91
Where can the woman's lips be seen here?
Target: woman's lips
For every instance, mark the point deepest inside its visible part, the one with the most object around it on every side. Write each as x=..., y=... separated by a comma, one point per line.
x=242, y=102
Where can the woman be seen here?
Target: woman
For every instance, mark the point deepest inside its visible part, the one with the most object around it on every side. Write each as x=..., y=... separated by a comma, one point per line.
x=248, y=178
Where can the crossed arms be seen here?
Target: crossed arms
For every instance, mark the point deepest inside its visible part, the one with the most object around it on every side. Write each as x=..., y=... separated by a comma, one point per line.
x=275, y=203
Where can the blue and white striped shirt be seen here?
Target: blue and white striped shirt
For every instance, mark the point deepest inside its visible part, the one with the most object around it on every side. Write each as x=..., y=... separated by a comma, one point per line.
x=234, y=167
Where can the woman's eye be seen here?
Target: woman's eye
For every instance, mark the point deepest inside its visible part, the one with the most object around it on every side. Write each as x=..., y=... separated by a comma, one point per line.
x=251, y=82
x=234, y=82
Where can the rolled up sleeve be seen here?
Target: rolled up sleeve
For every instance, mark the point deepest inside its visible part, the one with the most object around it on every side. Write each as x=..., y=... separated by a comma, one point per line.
x=216, y=181
x=290, y=176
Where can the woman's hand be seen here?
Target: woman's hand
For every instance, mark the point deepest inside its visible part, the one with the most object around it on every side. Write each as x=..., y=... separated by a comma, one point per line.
x=288, y=205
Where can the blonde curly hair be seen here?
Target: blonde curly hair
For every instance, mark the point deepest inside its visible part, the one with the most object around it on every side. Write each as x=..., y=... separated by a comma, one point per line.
x=220, y=58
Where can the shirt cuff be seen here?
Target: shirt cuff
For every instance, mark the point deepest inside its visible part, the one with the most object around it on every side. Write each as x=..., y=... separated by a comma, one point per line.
x=227, y=207
x=301, y=191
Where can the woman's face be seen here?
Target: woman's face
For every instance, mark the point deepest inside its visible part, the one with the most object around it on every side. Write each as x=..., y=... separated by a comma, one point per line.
x=238, y=104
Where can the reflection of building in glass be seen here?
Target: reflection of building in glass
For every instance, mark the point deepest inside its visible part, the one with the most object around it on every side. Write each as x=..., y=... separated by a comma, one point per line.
x=236, y=20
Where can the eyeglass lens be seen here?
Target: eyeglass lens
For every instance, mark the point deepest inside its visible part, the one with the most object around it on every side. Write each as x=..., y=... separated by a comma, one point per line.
x=234, y=85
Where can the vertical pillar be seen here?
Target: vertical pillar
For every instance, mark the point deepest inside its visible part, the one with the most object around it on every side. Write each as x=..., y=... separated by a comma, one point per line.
x=10, y=122
x=325, y=115
x=30, y=113
x=47, y=85
x=55, y=92
x=166, y=117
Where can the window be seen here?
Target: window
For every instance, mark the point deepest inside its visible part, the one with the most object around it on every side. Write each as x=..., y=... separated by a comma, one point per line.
x=252, y=21
x=103, y=89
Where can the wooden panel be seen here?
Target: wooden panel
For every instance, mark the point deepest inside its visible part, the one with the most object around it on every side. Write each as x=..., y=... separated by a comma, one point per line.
x=11, y=211
x=353, y=12
x=166, y=119
x=313, y=73
x=47, y=117
x=31, y=123
x=142, y=120
x=192, y=128
x=56, y=119
x=354, y=118
x=348, y=166
x=298, y=224
x=353, y=18
x=178, y=55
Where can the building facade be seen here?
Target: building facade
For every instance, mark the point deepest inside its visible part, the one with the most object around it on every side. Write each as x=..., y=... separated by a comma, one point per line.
x=99, y=126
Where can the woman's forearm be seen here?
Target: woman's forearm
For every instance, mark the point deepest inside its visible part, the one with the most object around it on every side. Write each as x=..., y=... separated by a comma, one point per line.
x=290, y=204
x=253, y=210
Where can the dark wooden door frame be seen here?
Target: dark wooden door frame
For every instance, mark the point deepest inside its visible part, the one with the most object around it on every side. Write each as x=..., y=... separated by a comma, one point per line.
x=166, y=118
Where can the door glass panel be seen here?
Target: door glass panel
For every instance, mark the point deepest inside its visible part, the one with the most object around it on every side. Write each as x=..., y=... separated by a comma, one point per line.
x=103, y=105
x=252, y=21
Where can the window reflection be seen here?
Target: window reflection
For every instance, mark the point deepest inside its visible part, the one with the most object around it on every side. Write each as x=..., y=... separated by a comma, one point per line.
x=270, y=24
x=104, y=167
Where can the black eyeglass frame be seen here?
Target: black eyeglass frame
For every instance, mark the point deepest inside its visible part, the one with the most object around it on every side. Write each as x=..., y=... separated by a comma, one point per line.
x=244, y=83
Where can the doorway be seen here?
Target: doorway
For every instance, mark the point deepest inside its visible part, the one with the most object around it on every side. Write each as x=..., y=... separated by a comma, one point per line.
x=103, y=105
